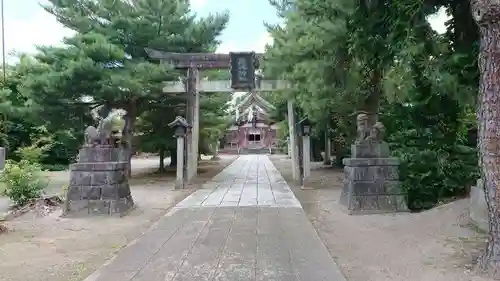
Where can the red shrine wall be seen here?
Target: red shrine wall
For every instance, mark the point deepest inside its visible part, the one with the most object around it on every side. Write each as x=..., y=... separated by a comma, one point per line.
x=238, y=137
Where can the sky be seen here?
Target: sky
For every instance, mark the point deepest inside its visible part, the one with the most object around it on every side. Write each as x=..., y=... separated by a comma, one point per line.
x=28, y=25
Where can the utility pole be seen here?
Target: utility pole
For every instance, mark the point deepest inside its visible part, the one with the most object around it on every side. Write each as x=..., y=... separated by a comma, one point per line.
x=3, y=42
x=2, y=149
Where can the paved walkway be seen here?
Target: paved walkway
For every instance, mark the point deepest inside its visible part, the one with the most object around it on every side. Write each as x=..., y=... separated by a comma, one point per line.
x=245, y=224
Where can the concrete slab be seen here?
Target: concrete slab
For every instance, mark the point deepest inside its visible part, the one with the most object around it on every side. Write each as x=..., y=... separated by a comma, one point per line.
x=249, y=226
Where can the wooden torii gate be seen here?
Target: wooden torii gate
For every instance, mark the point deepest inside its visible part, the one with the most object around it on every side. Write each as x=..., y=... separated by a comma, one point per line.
x=193, y=86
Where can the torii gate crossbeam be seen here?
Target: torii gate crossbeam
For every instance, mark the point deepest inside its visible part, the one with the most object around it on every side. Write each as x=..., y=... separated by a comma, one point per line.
x=222, y=86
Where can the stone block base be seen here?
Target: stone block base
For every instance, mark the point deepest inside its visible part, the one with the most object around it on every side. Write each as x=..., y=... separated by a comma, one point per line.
x=374, y=204
x=99, y=184
x=81, y=208
x=371, y=186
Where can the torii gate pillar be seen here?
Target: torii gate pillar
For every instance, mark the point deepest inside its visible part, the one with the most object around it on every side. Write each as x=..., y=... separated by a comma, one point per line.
x=193, y=117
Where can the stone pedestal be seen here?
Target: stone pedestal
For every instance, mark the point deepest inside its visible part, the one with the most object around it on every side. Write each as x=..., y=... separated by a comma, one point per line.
x=179, y=179
x=371, y=182
x=98, y=183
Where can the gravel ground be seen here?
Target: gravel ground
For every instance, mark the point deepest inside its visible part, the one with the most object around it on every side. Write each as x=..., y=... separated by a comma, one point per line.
x=57, y=179
x=62, y=249
x=435, y=245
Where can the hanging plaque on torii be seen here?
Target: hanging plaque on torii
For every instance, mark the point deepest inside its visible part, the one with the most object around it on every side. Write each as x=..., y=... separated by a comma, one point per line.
x=243, y=67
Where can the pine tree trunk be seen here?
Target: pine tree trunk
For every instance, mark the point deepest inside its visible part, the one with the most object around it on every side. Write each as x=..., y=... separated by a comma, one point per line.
x=316, y=150
x=371, y=104
x=328, y=146
x=486, y=13
x=173, y=158
x=128, y=132
x=162, y=159
x=339, y=153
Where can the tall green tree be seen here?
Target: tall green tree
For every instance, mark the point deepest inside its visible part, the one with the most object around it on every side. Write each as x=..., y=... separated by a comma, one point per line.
x=154, y=133
x=342, y=57
x=92, y=70
x=215, y=118
x=21, y=124
x=486, y=14
x=106, y=63
x=135, y=25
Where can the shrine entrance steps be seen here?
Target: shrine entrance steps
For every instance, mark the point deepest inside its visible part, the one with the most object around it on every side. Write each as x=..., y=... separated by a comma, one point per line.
x=254, y=151
x=249, y=151
x=245, y=224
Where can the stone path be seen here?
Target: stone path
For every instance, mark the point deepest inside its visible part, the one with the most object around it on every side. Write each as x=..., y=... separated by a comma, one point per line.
x=245, y=224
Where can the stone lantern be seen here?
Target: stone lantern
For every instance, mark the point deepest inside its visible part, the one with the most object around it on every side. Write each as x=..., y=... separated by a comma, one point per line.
x=181, y=127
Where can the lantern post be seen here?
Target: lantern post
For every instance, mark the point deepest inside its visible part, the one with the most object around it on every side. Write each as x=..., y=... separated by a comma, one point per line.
x=181, y=127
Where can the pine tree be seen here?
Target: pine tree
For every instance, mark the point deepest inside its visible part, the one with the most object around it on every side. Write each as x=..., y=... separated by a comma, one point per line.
x=486, y=14
x=105, y=61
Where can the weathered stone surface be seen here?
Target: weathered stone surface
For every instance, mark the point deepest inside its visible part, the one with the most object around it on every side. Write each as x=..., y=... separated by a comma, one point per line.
x=370, y=149
x=371, y=183
x=102, y=154
x=98, y=183
x=371, y=173
x=379, y=187
x=96, y=166
x=361, y=162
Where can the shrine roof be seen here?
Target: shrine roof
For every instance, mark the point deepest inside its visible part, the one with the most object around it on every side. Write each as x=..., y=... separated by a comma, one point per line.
x=254, y=98
x=257, y=108
x=243, y=115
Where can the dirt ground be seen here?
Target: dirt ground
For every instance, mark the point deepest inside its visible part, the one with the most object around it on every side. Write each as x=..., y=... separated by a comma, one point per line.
x=435, y=245
x=57, y=179
x=62, y=249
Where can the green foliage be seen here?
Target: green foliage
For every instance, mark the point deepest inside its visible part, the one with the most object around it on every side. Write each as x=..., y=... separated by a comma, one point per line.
x=431, y=173
x=155, y=134
x=382, y=56
x=429, y=122
x=158, y=24
x=35, y=152
x=104, y=62
x=214, y=120
x=63, y=149
x=22, y=121
x=339, y=56
x=91, y=66
x=23, y=179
